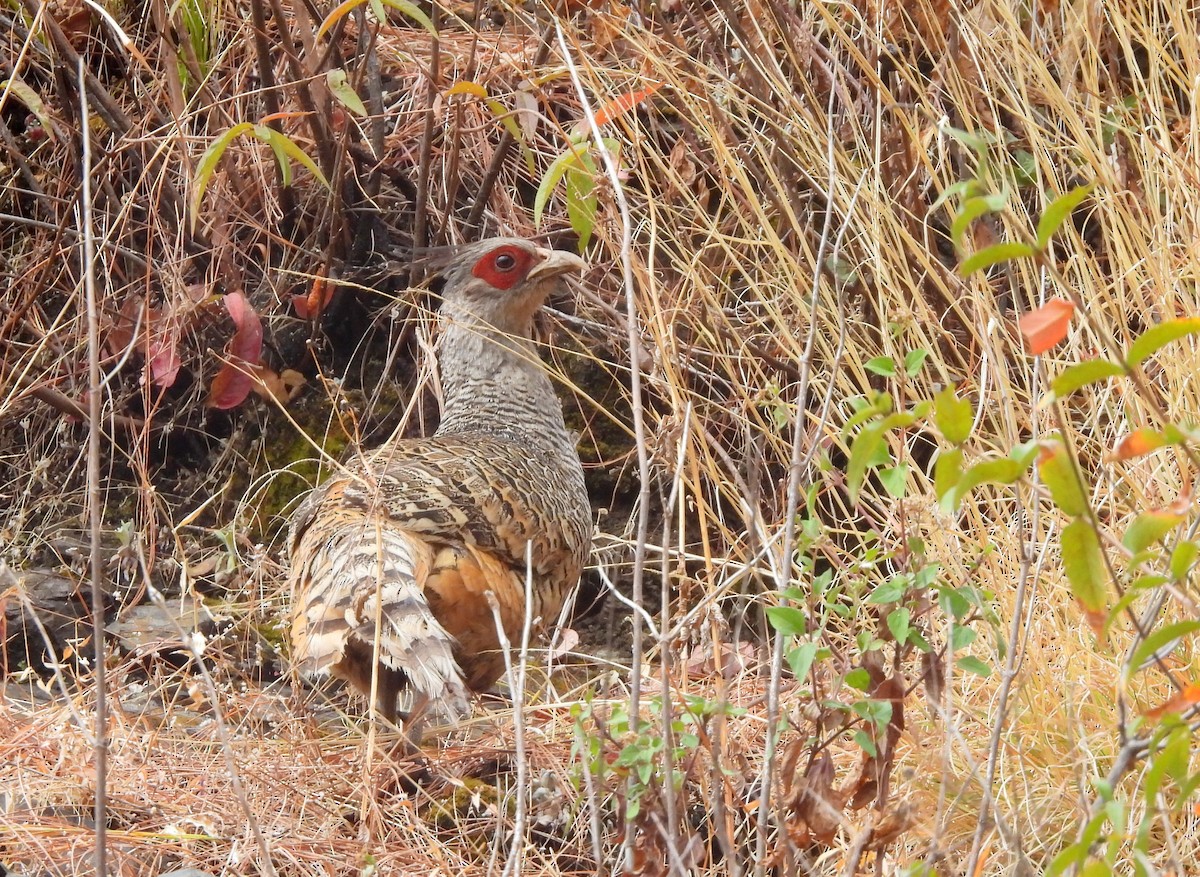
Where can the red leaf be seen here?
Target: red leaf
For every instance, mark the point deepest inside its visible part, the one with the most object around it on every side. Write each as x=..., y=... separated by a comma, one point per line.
x=247, y=340
x=164, y=359
x=1047, y=326
x=235, y=380
x=230, y=387
x=623, y=103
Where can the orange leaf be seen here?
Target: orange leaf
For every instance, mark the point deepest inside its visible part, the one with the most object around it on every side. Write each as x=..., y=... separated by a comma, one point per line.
x=281, y=387
x=467, y=87
x=1189, y=697
x=1047, y=326
x=623, y=103
x=1138, y=443
x=313, y=304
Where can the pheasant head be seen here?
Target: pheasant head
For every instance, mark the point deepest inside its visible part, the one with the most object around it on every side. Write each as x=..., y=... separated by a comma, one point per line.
x=501, y=282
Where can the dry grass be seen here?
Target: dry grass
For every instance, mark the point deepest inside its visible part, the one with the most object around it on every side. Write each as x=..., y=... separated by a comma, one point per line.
x=782, y=188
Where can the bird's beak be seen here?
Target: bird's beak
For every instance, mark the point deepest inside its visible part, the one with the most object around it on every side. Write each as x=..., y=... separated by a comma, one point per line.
x=556, y=262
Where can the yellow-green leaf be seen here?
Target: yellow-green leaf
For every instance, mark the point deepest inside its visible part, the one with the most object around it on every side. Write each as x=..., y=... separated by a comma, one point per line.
x=284, y=148
x=1149, y=528
x=989, y=256
x=339, y=85
x=1084, y=373
x=953, y=416
x=411, y=10
x=33, y=102
x=972, y=209
x=208, y=164
x=1060, y=208
x=1083, y=563
x=1161, y=638
x=557, y=170
x=1058, y=473
x=1157, y=337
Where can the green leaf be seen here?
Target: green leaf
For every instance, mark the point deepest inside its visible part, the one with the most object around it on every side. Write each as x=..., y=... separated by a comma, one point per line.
x=972, y=209
x=1157, y=337
x=858, y=679
x=989, y=256
x=801, y=658
x=966, y=188
x=976, y=141
x=411, y=10
x=788, y=620
x=1060, y=208
x=1149, y=528
x=881, y=365
x=914, y=360
x=1183, y=558
x=339, y=87
x=281, y=157
x=947, y=472
x=1083, y=563
x=864, y=451
x=582, y=204
x=961, y=637
x=877, y=712
x=894, y=480
x=953, y=416
x=1159, y=639
x=864, y=741
x=1058, y=472
x=557, y=170
x=954, y=602
x=280, y=143
x=208, y=164
x=971, y=664
x=890, y=591
x=1083, y=374
x=998, y=470
x=898, y=622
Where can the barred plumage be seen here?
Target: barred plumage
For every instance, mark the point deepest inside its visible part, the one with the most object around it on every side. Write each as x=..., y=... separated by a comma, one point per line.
x=393, y=556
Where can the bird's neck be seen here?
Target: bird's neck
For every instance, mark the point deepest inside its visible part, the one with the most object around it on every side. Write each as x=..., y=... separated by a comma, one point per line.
x=494, y=382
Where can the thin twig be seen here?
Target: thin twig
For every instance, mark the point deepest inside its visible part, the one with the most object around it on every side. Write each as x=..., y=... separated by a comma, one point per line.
x=635, y=391
x=475, y=217
x=795, y=471
x=516, y=686
x=421, y=220
x=100, y=740
x=194, y=643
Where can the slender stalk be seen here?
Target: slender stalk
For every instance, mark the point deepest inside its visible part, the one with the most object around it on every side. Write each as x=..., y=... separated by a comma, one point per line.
x=100, y=740
x=516, y=685
x=635, y=392
x=795, y=470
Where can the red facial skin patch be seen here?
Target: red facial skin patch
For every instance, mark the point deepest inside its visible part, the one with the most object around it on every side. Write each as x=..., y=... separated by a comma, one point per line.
x=504, y=266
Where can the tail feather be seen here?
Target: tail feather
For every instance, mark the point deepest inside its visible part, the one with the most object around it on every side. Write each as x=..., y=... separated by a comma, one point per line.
x=358, y=583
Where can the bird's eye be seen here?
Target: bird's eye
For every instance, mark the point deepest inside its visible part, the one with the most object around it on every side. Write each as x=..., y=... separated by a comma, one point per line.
x=505, y=262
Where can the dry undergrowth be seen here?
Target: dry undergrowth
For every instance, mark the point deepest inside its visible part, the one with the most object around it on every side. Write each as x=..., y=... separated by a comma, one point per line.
x=783, y=190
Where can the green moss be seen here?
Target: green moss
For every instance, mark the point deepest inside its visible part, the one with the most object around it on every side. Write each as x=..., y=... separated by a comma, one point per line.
x=465, y=814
